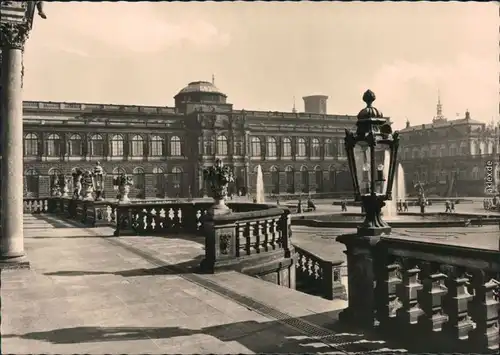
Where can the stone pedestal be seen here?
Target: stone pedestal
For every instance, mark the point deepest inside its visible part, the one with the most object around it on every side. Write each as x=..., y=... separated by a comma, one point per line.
x=361, y=279
x=12, y=39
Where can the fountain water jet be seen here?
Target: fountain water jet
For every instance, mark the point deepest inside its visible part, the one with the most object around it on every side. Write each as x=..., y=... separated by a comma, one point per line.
x=389, y=211
x=400, y=184
x=259, y=187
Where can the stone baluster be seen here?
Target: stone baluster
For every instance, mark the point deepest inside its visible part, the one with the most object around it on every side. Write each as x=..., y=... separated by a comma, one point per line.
x=267, y=232
x=410, y=311
x=260, y=238
x=248, y=241
x=484, y=311
x=432, y=297
x=456, y=303
x=388, y=301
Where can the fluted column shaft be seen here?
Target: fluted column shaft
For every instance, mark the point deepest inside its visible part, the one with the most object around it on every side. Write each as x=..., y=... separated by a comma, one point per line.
x=12, y=40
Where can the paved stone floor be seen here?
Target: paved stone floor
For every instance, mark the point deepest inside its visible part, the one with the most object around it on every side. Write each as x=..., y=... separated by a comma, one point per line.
x=89, y=293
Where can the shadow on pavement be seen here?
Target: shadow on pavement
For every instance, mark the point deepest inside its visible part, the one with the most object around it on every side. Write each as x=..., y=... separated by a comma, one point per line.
x=250, y=334
x=187, y=267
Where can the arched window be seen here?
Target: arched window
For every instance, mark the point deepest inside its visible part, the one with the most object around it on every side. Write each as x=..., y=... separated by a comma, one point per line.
x=328, y=148
x=175, y=146
x=463, y=148
x=475, y=173
x=177, y=177
x=442, y=150
x=31, y=145
x=315, y=148
x=290, y=179
x=489, y=148
x=96, y=145
x=117, y=145
x=341, y=148
x=237, y=149
x=53, y=145
x=31, y=186
x=301, y=147
x=271, y=147
x=415, y=153
x=75, y=146
x=304, y=177
x=156, y=146
x=137, y=146
x=482, y=148
x=255, y=146
x=55, y=177
x=287, y=147
x=139, y=181
x=453, y=150
x=159, y=181
x=434, y=151
x=318, y=175
x=275, y=180
x=222, y=145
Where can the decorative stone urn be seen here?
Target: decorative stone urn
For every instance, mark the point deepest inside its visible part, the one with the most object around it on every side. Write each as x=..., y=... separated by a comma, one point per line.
x=98, y=179
x=77, y=184
x=88, y=186
x=218, y=178
x=124, y=182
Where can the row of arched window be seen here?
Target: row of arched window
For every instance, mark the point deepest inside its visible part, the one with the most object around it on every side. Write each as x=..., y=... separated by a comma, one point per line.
x=453, y=149
x=271, y=147
x=96, y=146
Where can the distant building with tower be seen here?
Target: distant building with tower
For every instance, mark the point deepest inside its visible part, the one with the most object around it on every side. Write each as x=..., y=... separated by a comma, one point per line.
x=450, y=156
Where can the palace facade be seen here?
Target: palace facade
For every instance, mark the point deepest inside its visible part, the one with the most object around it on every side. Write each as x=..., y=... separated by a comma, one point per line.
x=451, y=157
x=165, y=149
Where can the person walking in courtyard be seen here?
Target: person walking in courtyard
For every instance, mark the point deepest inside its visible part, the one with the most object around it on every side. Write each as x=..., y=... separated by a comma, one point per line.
x=452, y=206
x=405, y=206
x=399, y=206
x=448, y=207
x=343, y=205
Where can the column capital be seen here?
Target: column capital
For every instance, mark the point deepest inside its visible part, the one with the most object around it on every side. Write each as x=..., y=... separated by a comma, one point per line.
x=13, y=35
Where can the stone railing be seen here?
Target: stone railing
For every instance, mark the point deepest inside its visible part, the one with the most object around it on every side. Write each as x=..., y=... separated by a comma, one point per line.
x=38, y=205
x=254, y=238
x=319, y=277
x=447, y=294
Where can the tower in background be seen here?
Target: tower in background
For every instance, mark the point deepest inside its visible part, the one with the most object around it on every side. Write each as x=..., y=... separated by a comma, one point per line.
x=315, y=104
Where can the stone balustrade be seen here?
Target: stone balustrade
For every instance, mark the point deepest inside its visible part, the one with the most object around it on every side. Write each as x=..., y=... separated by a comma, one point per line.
x=253, y=239
x=416, y=290
x=319, y=277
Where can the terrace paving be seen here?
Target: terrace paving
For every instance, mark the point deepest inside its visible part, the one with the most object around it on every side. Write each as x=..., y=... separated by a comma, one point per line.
x=87, y=292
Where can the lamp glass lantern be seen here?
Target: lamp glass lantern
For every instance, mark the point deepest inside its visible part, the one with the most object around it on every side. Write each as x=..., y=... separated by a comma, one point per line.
x=371, y=154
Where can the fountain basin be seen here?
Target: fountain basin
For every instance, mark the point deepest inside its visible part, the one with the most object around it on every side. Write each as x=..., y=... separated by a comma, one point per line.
x=402, y=220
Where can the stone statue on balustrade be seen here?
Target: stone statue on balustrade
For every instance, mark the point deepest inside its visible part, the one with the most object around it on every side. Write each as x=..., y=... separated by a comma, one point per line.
x=77, y=184
x=87, y=185
x=56, y=187
x=98, y=179
x=124, y=182
x=422, y=200
x=66, y=185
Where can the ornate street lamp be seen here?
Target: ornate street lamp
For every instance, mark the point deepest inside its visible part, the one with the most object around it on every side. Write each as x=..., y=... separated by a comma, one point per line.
x=371, y=155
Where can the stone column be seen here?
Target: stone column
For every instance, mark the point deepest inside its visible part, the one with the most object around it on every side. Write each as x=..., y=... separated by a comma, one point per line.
x=12, y=40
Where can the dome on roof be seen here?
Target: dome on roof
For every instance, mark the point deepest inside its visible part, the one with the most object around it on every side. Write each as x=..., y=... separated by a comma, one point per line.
x=200, y=86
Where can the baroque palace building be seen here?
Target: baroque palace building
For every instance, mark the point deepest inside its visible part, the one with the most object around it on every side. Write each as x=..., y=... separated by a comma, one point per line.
x=165, y=149
x=451, y=157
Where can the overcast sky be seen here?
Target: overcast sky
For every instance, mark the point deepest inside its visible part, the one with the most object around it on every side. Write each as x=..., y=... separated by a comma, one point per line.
x=264, y=54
